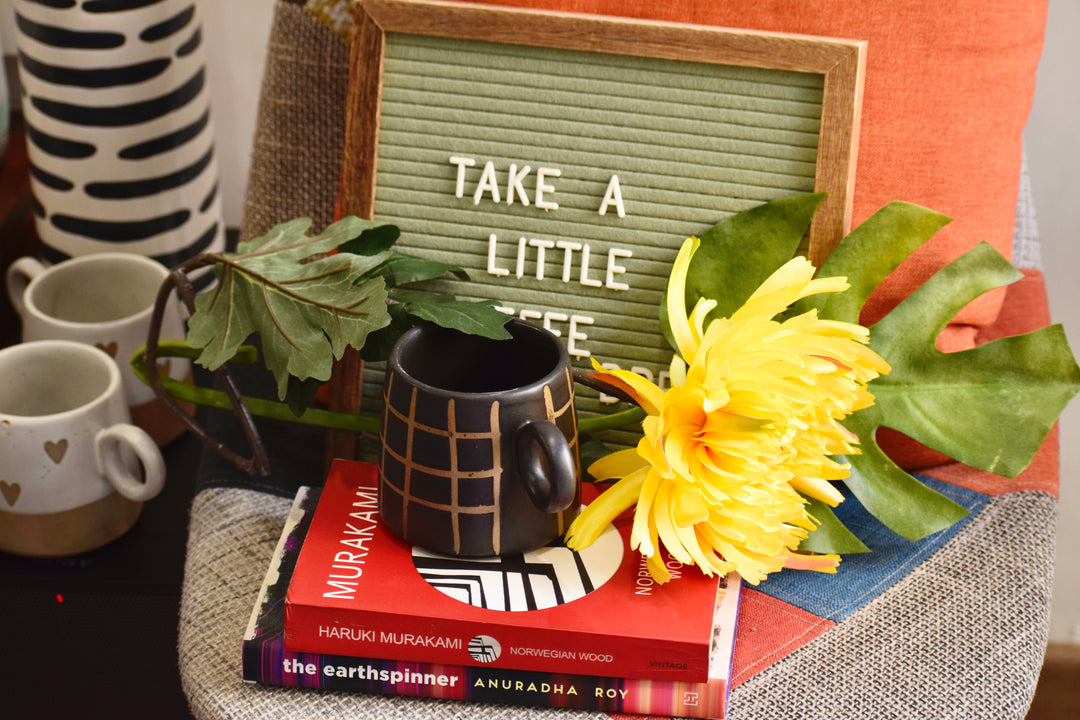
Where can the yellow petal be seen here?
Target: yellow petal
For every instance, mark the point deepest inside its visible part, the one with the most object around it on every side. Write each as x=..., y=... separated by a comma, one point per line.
x=676, y=301
x=677, y=371
x=617, y=465
x=663, y=514
x=643, y=532
x=819, y=489
x=778, y=291
x=690, y=541
x=601, y=512
x=689, y=508
x=697, y=317
x=792, y=281
x=657, y=569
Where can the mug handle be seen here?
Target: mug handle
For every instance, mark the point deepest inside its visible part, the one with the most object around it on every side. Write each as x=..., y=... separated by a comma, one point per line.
x=19, y=275
x=546, y=463
x=108, y=453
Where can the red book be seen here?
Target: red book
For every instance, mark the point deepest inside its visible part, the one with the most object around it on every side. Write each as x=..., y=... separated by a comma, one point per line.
x=267, y=661
x=359, y=591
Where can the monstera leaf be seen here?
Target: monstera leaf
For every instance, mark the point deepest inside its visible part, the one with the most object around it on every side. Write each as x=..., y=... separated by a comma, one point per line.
x=305, y=303
x=989, y=407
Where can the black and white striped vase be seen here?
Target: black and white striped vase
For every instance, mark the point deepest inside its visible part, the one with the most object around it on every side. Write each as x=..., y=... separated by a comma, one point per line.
x=118, y=127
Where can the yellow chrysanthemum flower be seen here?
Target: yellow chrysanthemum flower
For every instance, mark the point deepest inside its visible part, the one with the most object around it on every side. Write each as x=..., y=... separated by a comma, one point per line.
x=750, y=422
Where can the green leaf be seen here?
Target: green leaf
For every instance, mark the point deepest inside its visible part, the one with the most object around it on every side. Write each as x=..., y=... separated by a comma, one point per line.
x=989, y=407
x=306, y=304
x=381, y=342
x=301, y=394
x=401, y=269
x=738, y=253
x=474, y=317
x=868, y=254
x=372, y=241
x=830, y=536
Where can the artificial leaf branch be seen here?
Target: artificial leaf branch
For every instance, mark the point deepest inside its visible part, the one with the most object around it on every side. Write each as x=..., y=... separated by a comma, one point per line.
x=308, y=298
x=989, y=407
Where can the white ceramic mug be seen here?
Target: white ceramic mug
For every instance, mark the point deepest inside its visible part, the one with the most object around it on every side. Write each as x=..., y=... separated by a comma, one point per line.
x=69, y=481
x=105, y=300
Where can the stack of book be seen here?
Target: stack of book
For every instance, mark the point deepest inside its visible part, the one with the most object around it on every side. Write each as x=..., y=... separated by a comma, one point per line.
x=347, y=606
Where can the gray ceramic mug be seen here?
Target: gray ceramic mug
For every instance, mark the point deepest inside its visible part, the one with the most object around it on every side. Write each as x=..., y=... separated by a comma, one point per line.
x=479, y=441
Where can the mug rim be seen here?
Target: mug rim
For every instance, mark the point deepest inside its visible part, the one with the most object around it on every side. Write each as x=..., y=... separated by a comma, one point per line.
x=38, y=347
x=50, y=271
x=393, y=364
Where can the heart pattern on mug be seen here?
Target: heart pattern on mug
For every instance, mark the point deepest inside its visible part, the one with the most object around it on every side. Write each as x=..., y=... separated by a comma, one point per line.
x=10, y=491
x=56, y=450
x=109, y=348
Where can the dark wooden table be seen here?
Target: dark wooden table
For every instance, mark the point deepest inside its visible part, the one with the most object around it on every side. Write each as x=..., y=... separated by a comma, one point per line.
x=91, y=636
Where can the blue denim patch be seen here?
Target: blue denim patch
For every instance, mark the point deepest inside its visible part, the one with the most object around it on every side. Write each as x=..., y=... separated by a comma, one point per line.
x=862, y=577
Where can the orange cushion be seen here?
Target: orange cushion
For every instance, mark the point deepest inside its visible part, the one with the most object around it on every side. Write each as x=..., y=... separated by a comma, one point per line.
x=949, y=86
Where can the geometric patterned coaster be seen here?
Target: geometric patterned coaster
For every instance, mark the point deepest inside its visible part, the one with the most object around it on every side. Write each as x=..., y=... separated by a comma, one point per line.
x=545, y=578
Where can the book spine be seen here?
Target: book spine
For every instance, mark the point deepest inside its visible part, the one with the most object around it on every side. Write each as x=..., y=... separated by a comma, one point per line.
x=448, y=641
x=268, y=662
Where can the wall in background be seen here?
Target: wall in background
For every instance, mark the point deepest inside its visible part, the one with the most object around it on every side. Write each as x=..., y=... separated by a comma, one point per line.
x=1053, y=146
x=236, y=33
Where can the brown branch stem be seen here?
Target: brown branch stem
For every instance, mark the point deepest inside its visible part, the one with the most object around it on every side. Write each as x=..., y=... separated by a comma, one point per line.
x=178, y=279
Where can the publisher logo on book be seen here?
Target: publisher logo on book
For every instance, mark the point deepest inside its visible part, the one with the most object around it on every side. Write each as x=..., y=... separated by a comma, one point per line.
x=485, y=649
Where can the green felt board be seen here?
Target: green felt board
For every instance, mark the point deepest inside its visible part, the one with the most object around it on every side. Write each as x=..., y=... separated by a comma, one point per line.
x=691, y=143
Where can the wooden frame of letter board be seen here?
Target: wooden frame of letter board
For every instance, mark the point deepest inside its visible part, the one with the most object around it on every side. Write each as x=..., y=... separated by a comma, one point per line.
x=840, y=62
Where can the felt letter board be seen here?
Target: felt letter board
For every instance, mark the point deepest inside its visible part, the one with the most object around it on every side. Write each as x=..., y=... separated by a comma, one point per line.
x=562, y=159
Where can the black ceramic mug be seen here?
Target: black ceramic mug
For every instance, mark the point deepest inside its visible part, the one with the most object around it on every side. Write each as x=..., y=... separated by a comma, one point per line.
x=479, y=441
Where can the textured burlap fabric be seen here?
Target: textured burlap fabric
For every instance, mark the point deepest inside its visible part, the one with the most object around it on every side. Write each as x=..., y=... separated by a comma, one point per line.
x=961, y=635
x=300, y=126
x=1027, y=252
